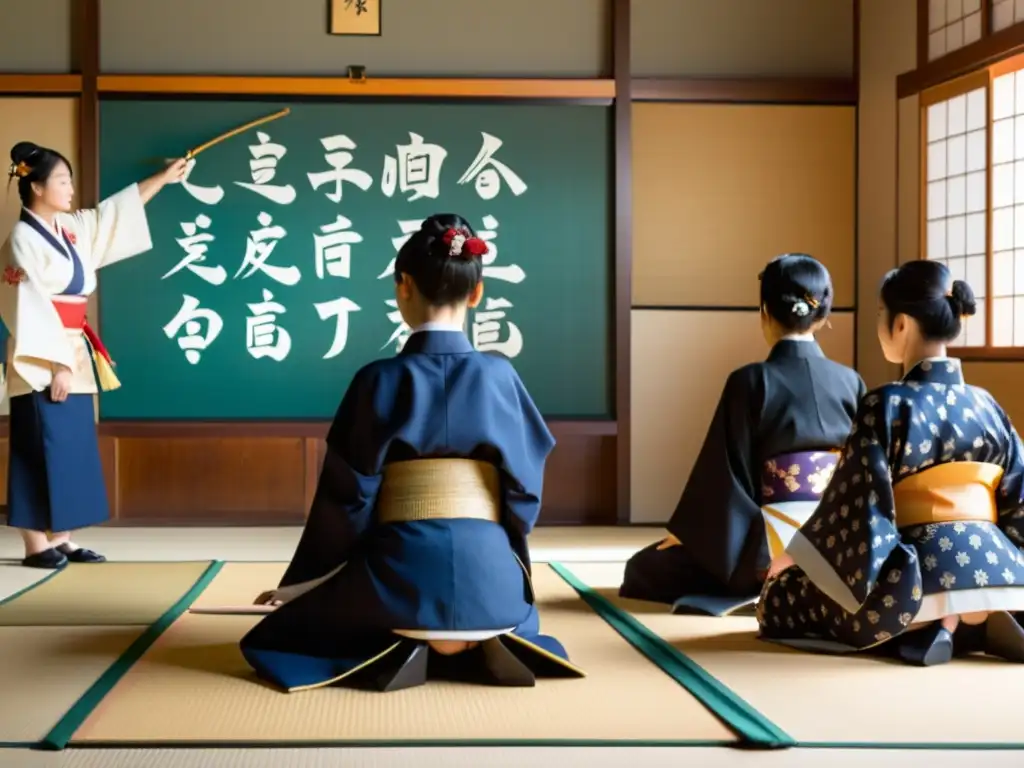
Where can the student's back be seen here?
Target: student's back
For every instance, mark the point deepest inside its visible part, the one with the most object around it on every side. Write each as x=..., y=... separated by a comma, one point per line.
x=438, y=399
x=415, y=545
x=782, y=415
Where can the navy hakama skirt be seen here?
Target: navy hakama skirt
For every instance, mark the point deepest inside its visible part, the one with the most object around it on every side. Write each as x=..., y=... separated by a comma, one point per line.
x=55, y=478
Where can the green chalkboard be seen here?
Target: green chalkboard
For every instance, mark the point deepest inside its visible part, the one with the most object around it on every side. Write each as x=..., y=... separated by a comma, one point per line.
x=284, y=257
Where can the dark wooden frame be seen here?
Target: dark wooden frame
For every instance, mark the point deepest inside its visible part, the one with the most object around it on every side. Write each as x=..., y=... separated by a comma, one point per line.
x=330, y=21
x=992, y=47
x=589, y=474
x=973, y=66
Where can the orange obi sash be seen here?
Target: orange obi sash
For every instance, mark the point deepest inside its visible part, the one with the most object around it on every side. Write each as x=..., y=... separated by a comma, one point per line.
x=72, y=317
x=960, y=491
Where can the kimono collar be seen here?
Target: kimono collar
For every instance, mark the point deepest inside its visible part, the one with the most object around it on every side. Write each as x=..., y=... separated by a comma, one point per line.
x=437, y=342
x=436, y=326
x=54, y=237
x=937, y=370
x=795, y=347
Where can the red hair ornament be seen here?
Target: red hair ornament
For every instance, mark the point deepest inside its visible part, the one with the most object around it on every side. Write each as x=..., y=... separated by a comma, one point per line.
x=462, y=245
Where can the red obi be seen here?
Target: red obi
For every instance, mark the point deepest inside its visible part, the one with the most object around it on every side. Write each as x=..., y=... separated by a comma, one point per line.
x=72, y=316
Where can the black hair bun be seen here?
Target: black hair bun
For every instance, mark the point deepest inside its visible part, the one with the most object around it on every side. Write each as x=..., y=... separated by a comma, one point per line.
x=961, y=299
x=23, y=152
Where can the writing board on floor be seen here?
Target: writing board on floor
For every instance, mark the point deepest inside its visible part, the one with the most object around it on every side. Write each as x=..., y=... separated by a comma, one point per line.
x=234, y=610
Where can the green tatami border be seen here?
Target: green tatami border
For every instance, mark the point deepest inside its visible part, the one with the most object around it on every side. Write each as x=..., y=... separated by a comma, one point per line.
x=721, y=700
x=64, y=730
x=752, y=727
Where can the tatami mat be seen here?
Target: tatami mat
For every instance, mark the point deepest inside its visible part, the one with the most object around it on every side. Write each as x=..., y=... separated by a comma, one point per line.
x=193, y=686
x=500, y=757
x=277, y=543
x=14, y=578
x=45, y=670
x=823, y=699
x=108, y=594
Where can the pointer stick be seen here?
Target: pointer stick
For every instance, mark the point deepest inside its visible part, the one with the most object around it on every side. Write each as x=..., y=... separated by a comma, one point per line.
x=234, y=132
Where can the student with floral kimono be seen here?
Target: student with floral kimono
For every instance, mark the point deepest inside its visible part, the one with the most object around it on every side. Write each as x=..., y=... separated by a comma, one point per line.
x=914, y=549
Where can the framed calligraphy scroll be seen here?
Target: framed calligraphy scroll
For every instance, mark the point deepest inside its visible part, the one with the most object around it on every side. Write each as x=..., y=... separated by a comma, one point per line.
x=355, y=17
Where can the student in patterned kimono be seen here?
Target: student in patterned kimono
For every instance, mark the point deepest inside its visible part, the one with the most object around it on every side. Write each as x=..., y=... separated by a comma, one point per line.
x=49, y=263
x=414, y=557
x=772, y=440
x=914, y=549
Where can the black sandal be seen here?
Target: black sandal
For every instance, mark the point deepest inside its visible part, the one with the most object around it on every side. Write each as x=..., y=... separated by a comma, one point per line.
x=80, y=555
x=48, y=559
x=926, y=647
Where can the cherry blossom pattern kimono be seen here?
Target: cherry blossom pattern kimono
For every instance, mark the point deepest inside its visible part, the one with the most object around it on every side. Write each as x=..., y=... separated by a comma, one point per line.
x=922, y=519
x=55, y=479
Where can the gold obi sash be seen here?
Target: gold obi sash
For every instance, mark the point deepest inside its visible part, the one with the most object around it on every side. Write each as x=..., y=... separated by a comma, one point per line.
x=439, y=489
x=960, y=491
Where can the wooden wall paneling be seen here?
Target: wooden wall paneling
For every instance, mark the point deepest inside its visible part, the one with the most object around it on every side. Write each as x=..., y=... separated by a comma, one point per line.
x=109, y=457
x=4, y=452
x=188, y=480
x=795, y=90
x=192, y=474
x=740, y=38
x=87, y=45
x=313, y=461
x=623, y=299
x=722, y=188
x=672, y=407
x=581, y=479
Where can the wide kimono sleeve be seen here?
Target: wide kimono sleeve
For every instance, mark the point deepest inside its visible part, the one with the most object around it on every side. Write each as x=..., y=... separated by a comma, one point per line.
x=1010, y=494
x=115, y=230
x=862, y=389
x=843, y=547
x=719, y=505
x=37, y=334
x=526, y=443
x=343, y=506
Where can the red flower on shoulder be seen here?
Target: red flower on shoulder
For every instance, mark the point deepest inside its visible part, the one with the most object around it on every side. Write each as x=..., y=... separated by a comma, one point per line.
x=70, y=236
x=13, y=275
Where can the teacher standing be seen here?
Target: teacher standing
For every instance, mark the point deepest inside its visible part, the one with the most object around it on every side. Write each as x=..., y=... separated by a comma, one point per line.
x=54, y=359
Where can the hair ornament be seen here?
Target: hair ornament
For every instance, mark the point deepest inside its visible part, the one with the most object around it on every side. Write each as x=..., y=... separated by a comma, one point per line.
x=21, y=170
x=801, y=309
x=460, y=243
x=813, y=302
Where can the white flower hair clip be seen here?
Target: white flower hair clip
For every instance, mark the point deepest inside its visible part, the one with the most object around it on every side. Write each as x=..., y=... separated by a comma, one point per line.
x=455, y=246
x=802, y=307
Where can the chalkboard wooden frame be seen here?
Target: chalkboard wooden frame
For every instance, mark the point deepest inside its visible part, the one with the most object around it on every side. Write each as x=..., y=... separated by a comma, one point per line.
x=589, y=474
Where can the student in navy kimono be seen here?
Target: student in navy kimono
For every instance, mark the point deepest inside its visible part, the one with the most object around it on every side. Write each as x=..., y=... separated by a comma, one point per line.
x=414, y=557
x=55, y=481
x=771, y=440
x=914, y=549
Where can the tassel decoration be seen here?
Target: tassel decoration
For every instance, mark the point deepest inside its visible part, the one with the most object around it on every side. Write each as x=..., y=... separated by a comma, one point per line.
x=105, y=375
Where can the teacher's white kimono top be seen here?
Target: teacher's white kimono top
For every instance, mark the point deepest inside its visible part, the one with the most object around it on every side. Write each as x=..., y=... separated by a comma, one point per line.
x=42, y=286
